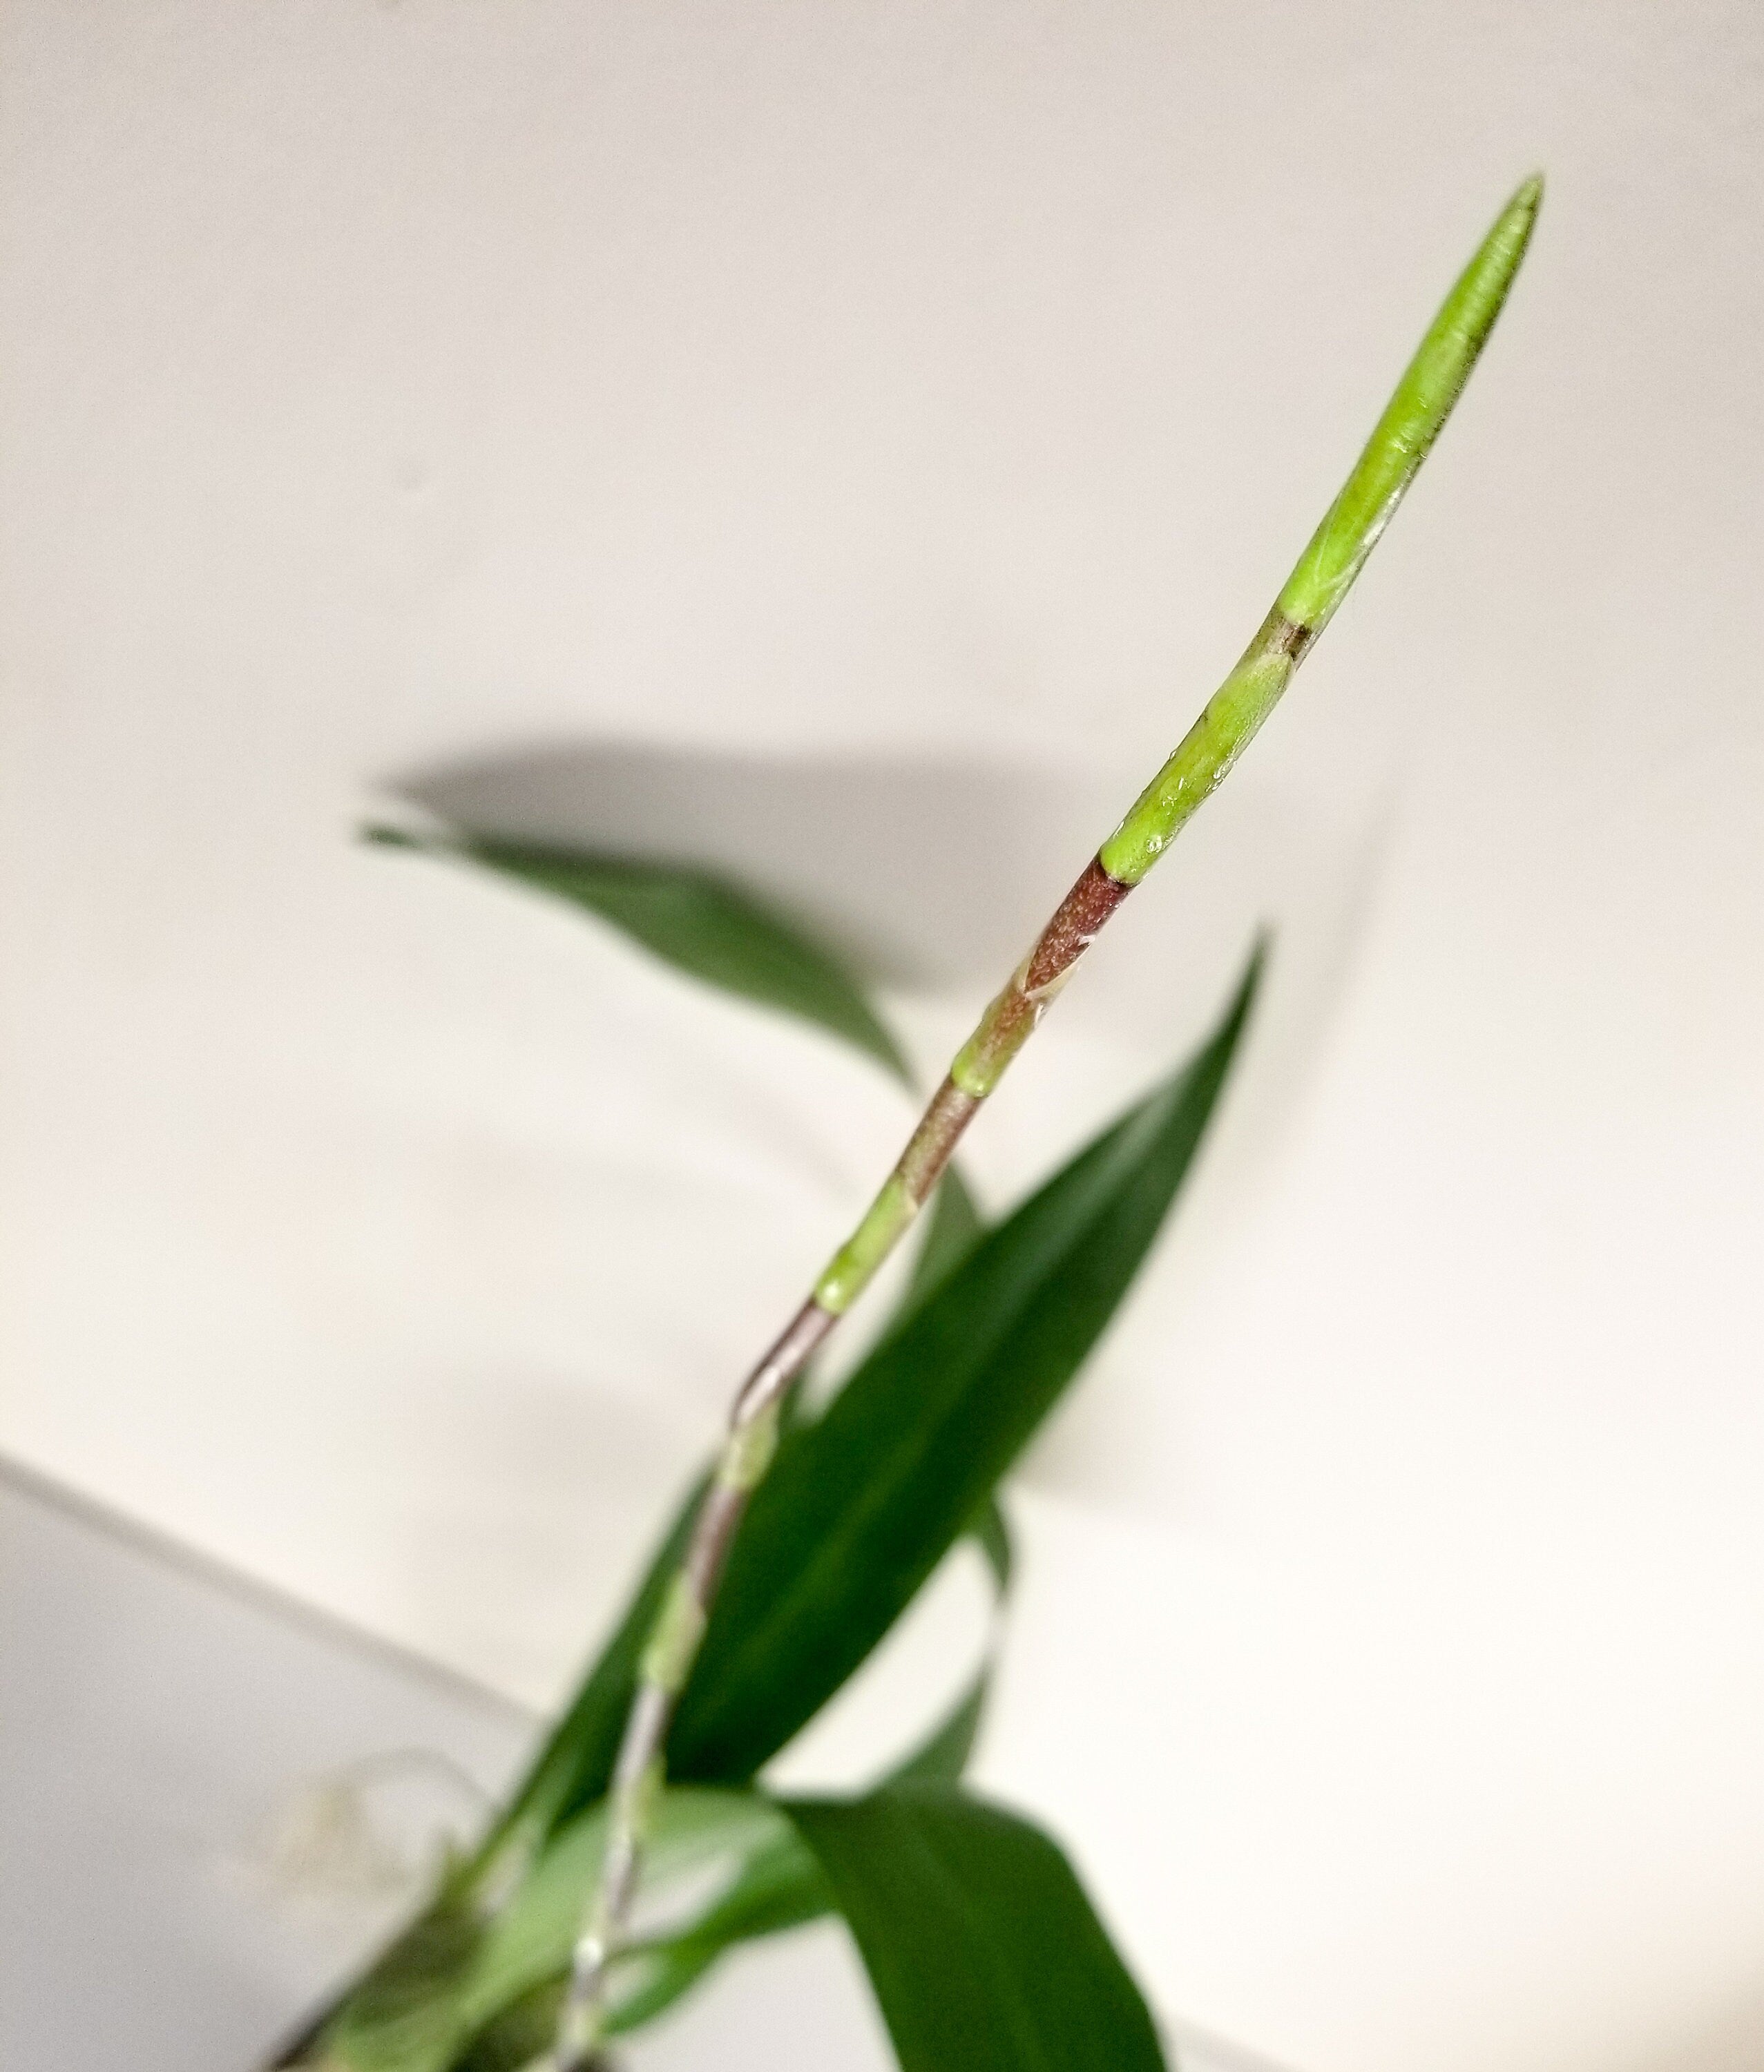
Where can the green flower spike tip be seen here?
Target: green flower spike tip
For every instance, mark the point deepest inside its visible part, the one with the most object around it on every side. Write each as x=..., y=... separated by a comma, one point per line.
x=1325, y=571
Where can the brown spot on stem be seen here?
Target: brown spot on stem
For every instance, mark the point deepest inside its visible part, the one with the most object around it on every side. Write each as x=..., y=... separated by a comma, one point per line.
x=1075, y=925
x=1007, y=1024
x=1289, y=637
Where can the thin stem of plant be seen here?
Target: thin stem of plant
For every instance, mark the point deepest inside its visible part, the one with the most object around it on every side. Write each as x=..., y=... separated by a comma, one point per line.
x=1412, y=420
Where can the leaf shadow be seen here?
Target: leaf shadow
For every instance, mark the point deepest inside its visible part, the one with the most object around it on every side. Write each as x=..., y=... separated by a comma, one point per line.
x=923, y=872
x=930, y=874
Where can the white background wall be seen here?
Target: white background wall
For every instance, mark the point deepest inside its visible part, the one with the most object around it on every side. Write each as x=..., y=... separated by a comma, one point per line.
x=430, y=399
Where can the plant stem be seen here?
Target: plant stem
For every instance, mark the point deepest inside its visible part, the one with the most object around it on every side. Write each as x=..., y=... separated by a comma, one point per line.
x=1412, y=420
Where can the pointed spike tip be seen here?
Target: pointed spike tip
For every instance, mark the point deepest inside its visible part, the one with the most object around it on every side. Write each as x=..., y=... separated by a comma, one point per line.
x=1498, y=258
x=1412, y=419
x=1400, y=442
x=1513, y=228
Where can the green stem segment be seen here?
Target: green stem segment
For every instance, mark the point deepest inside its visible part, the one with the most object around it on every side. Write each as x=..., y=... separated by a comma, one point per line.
x=1325, y=571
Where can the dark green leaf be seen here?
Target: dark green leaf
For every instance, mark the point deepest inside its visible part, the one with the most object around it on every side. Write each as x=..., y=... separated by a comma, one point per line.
x=956, y=1227
x=953, y=1229
x=862, y=1504
x=404, y=2013
x=519, y=2037
x=695, y=1834
x=943, y=1756
x=985, y=1953
x=692, y=919
x=781, y=1887
x=992, y=1536
x=572, y=1769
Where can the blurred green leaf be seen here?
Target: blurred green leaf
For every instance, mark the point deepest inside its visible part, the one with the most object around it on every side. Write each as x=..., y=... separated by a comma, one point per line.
x=514, y=1996
x=403, y=2016
x=953, y=1229
x=946, y=1397
x=985, y=1953
x=512, y=1982
x=942, y=1757
x=992, y=1535
x=519, y=2037
x=695, y=1831
x=496, y=1982
x=692, y=919
x=861, y=1505
x=781, y=1886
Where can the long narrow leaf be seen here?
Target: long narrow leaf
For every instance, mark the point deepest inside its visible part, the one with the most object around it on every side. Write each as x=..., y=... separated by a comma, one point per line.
x=691, y=918
x=984, y=1951
x=780, y=1887
x=862, y=1505
x=953, y=1228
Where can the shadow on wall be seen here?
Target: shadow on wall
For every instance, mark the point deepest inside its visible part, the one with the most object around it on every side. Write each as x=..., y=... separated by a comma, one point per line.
x=932, y=875
x=928, y=876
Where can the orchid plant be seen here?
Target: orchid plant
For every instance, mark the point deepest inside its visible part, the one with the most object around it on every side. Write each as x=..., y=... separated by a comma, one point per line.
x=643, y=1843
